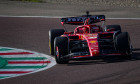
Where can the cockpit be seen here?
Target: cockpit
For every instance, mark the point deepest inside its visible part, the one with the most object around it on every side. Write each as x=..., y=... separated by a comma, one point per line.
x=87, y=29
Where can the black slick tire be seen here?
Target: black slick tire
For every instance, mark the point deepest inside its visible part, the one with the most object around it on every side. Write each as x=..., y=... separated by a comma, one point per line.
x=123, y=44
x=61, y=50
x=52, y=34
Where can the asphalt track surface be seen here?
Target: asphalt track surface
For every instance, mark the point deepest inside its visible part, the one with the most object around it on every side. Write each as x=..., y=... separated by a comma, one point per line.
x=32, y=34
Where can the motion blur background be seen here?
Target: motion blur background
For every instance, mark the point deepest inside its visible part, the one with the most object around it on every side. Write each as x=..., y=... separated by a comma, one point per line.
x=111, y=8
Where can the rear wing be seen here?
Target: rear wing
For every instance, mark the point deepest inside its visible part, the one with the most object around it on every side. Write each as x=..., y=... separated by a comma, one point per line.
x=81, y=20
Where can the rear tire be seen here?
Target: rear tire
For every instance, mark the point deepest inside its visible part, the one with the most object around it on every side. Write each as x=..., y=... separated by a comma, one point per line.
x=122, y=43
x=114, y=27
x=61, y=49
x=52, y=34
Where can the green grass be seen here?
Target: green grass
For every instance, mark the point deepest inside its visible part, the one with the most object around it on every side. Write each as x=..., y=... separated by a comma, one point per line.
x=38, y=1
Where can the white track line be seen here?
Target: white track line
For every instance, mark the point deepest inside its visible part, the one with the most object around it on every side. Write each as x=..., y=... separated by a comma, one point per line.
x=25, y=65
x=34, y=60
x=17, y=70
x=125, y=18
x=32, y=16
x=10, y=75
x=20, y=56
x=59, y=17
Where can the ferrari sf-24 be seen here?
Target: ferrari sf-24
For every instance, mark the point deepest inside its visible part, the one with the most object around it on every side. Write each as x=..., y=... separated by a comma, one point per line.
x=88, y=40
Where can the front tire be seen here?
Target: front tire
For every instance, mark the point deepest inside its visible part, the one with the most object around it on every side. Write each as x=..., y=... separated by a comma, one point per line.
x=52, y=34
x=61, y=50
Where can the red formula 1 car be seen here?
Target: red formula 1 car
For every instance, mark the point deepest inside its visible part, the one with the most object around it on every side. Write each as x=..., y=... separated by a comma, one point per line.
x=88, y=40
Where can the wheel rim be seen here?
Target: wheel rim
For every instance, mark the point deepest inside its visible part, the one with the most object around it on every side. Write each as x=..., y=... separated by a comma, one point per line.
x=57, y=52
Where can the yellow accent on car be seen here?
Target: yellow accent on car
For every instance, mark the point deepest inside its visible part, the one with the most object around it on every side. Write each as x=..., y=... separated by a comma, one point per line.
x=81, y=37
x=92, y=41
